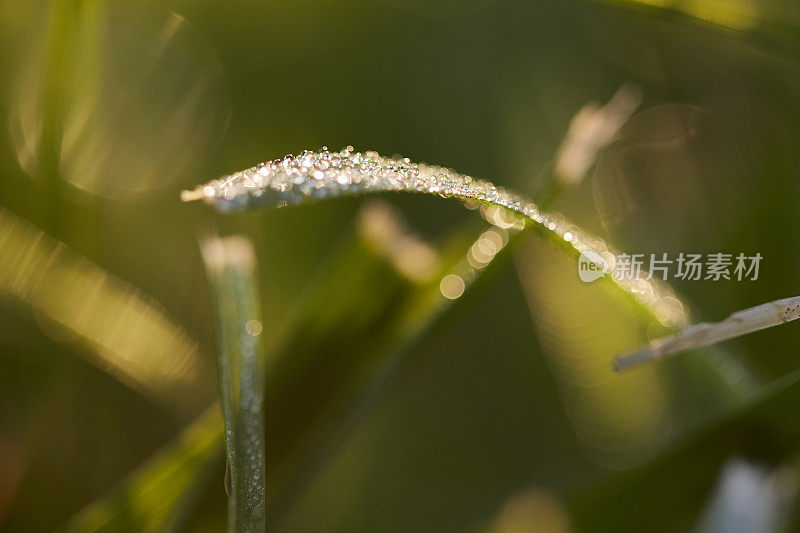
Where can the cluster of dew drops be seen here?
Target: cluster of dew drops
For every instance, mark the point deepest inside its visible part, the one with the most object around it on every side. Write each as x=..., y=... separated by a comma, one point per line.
x=314, y=175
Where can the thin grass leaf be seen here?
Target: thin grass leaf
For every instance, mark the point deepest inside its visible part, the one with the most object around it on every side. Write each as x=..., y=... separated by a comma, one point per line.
x=231, y=262
x=703, y=335
x=158, y=495
x=56, y=77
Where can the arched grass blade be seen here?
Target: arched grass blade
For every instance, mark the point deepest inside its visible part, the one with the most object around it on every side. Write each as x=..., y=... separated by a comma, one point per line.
x=312, y=176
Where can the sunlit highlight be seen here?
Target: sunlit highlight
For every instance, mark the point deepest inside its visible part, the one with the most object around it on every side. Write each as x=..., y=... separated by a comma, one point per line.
x=140, y=102
x=452, y=286
x=384, y=230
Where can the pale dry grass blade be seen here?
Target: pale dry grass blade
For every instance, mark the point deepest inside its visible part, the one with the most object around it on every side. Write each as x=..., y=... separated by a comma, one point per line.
x=707, y=334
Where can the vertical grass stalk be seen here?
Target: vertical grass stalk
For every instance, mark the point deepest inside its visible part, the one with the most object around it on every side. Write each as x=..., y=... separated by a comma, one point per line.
x=231, y=266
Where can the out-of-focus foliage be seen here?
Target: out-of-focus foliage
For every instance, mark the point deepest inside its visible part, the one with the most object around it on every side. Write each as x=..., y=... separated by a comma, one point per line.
x=123, y=332
x=388, y=406
x=159, y=494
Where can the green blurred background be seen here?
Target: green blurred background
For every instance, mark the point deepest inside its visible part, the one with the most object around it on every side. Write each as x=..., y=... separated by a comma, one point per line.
x=502, y=414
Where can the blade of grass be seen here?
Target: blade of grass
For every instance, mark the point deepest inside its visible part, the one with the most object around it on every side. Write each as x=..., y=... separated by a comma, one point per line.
x=313, y=175
x=230, y=262
x=702, y=335
x=62, y=20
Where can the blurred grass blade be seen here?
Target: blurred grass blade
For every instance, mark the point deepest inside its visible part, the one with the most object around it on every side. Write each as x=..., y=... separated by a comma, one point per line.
x=125, y=332
x=158, y=495
x=591, y=129
x=776, y=24
x=231, y=264
x=383, y=229
x=123, y=99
